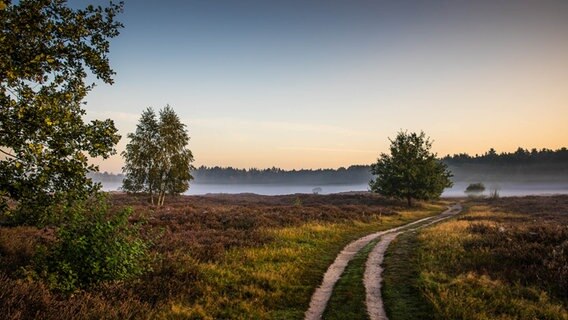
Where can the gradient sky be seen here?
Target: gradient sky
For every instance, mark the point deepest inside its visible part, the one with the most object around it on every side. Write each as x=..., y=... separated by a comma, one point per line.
x=310, y=84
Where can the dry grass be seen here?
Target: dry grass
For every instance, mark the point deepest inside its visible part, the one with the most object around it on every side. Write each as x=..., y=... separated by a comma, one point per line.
x=221, y=257
x=505, y=259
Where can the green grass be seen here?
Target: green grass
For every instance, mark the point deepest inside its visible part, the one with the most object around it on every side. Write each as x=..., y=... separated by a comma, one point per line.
x=492, y=264
x=489, y=263
x=348, y=298
x=244, y=257
x=276, y=281
x=401, y=294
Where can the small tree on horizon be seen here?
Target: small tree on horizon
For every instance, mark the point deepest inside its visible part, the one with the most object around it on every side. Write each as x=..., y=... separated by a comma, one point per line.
x=157, y=160
x=475, y=189
x=411, y=171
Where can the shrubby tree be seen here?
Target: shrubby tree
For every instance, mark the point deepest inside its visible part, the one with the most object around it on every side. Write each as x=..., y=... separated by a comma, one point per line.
x=93, y=245
x=46, y=51
x=411, y=171
x=475, y=189
x=157, y=160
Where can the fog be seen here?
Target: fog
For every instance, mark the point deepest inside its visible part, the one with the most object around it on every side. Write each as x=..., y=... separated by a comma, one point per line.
x=509, y=189
x=535, y=172
x=504, y=189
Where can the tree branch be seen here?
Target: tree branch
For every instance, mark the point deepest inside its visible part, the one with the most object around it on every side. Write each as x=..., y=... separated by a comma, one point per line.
x=8, y=154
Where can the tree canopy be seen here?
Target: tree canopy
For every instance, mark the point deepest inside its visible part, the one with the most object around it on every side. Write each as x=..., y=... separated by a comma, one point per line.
x=157, y=160
x=47, y=51
x=411, y=171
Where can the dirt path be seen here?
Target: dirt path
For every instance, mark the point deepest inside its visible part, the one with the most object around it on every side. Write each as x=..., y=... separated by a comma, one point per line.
x=373, y=270
x=372, y=278
x=323, y=292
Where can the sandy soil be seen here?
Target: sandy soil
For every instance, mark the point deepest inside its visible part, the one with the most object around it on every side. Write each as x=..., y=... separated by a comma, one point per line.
x=373, y=270
x=372, y=278
x=322, y=294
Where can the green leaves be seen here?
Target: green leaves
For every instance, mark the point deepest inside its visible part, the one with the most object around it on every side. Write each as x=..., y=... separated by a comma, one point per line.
x=411, y=171
x=157, y=160
x=46, y=50
x=92, y=246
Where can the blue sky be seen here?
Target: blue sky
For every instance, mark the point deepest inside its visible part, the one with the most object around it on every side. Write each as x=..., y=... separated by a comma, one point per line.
x=308, y=84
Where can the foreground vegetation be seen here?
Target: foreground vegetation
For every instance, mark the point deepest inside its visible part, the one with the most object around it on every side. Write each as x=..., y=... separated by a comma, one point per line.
x=212, y=257
x=348, y=298
x=505, y=259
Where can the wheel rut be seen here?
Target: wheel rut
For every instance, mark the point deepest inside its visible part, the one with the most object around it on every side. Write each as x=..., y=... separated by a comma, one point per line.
x=373, y=270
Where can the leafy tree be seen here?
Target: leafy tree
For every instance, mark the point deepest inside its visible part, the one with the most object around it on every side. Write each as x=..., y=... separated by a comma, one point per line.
x=157, y=160
x=46, y=51
x=411, y=171
x=175, y=162
x=140, y=155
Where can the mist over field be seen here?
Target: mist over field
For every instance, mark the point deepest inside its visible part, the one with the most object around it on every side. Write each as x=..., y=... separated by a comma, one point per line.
x=505, y=183
x=505, y=188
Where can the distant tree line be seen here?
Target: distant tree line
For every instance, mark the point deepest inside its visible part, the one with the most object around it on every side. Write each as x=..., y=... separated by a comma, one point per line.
x=550, y=164
x=545, y=163
x=519, y=157
x=354, y=174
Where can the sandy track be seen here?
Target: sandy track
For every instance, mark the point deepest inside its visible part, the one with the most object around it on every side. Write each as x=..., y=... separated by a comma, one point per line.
x=323, y=292
x=373, y=269
x=373, y=272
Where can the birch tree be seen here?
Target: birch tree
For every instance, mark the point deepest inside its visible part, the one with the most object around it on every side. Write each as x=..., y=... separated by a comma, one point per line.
x=157, y=160
x=140, y=155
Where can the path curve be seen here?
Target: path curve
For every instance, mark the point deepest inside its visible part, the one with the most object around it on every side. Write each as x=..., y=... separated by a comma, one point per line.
x=372, y=278
x=323, y=292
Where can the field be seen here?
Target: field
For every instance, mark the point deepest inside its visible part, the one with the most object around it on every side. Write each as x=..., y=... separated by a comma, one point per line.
x=504, y=259
x=261, y=257
x=213, y=257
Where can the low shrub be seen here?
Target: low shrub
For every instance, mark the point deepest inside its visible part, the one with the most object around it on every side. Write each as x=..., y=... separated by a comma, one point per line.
x=475, y=188
x=91, y=247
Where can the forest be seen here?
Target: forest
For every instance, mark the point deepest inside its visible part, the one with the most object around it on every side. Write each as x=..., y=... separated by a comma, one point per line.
x=544, y=165
x=521, y=165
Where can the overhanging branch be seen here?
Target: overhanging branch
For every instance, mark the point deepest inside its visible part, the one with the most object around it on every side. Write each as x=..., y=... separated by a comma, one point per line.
x=8, y=154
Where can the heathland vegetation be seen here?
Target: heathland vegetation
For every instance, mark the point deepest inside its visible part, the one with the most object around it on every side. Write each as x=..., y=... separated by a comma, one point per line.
x=218, y=257
x=504, y=259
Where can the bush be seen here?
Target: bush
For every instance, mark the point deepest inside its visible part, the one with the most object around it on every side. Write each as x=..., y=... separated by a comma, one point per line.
x=91, y=247
x=474, y=188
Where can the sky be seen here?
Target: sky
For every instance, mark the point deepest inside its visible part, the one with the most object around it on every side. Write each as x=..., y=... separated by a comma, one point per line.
x=324, y=84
